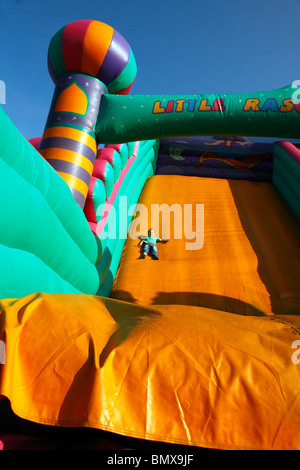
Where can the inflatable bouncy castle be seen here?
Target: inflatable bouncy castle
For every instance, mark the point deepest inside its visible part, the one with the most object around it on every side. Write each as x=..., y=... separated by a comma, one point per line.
x=100, y=348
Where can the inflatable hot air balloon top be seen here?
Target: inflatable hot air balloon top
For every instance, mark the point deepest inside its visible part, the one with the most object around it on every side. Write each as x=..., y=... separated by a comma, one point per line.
x=96, y=49
x=85, y=59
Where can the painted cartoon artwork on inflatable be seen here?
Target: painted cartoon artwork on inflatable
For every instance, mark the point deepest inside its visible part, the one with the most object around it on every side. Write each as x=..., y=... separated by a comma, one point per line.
x=198, y=349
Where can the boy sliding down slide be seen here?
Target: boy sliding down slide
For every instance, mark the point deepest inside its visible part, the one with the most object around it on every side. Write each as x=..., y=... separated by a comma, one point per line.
x=149, y=244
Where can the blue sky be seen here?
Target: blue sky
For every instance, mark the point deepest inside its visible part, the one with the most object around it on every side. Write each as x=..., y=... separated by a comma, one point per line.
x=191, y=46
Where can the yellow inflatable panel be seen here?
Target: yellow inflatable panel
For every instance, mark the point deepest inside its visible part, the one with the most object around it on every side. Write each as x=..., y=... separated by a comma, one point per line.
x=179, y=374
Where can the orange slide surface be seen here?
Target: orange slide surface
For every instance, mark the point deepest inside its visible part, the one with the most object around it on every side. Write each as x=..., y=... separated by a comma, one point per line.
x=198, y=348
x=249, y=259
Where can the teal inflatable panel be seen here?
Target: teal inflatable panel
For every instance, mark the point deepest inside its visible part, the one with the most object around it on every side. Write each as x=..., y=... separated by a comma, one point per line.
x=26, y=161
x=23, y=273
x=147, y=149
x=28, y=223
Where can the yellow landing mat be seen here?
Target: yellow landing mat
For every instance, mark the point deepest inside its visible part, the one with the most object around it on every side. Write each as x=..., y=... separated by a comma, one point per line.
x=186, y=375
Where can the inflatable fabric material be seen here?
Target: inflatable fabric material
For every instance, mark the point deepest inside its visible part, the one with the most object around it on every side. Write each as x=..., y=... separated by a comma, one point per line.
x=41, y=224
x=242, y=254
x=96, y=49
x=58, y=253
x=68, y=142
x=104, y=171
x=199, y=348
x=85, y=60
x=21, y=270
x=113, y=157
x=94, y=204
x=113, y=229
x=175, y=373
x=18, y=153
x=123, y=151
x=224, y=157
x=286, y=175
x=107, y=169
x=140, y=117
x=37, y=230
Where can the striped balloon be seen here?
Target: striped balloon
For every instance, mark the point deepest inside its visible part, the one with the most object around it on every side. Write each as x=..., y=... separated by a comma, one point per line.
x=85, y=60
x=95, y=49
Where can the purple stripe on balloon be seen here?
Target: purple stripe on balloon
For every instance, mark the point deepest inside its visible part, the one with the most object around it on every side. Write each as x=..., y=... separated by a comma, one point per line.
x=115, y=60
x=79, y=198
x=69, y=144
x=70, y=169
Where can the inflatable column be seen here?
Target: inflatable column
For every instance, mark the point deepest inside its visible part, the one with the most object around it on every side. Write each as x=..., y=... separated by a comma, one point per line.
x=85, y=59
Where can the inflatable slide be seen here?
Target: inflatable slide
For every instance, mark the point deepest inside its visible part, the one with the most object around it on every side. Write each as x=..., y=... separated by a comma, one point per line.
x=104, y=348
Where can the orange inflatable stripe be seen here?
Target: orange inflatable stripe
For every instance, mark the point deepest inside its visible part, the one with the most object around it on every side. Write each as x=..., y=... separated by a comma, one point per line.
x=68, y=156
x=71, y=133
x=75, y=183
x=98, y=36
